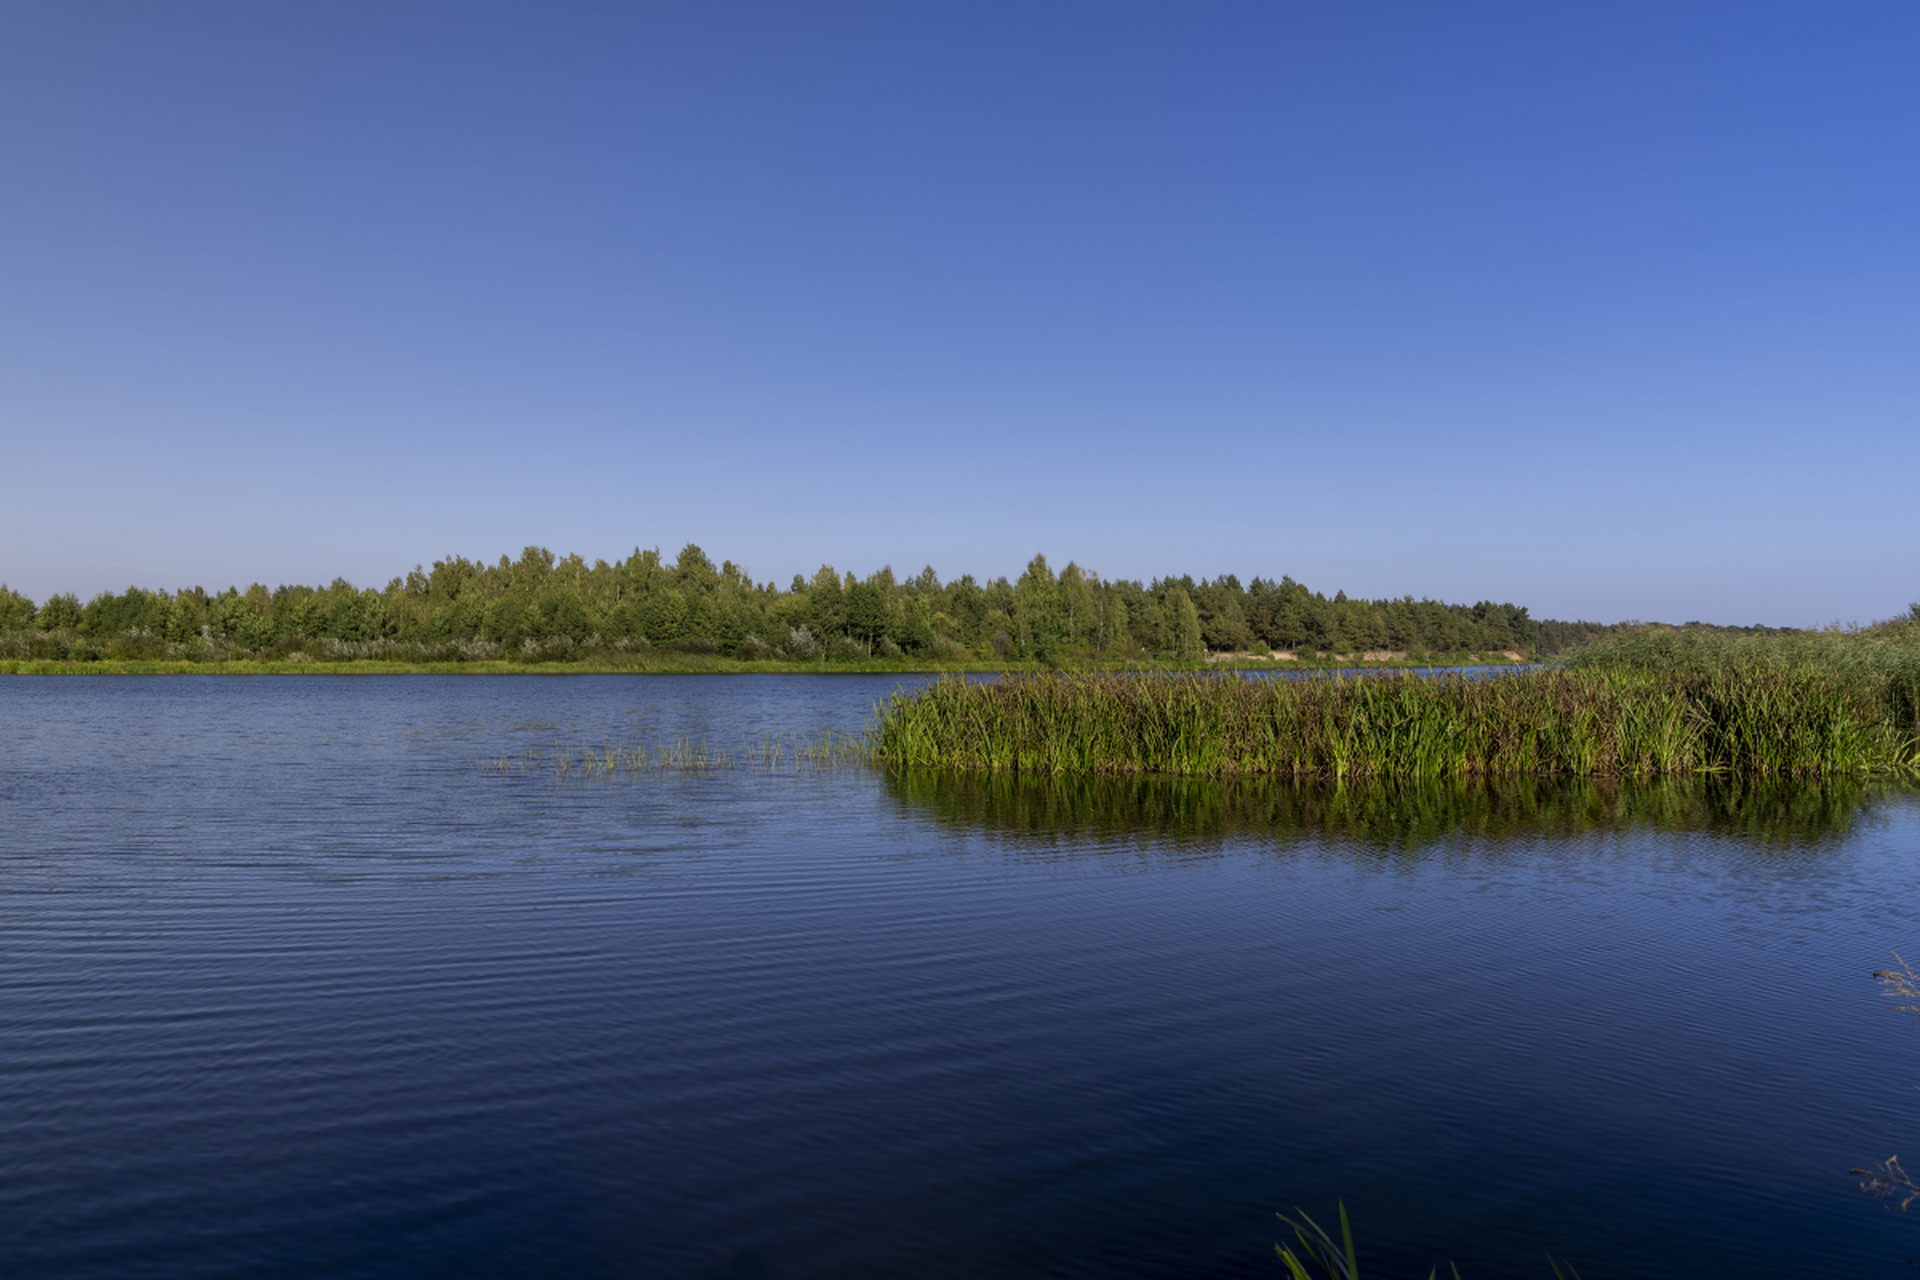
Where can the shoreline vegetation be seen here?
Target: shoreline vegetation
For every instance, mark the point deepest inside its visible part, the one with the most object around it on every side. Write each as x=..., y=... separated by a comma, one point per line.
x=646, y=614
x=674, y=662
x=1101, y=677
x=1644, y=705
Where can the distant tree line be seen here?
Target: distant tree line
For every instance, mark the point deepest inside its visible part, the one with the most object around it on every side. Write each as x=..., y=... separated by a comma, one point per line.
x=541, y=607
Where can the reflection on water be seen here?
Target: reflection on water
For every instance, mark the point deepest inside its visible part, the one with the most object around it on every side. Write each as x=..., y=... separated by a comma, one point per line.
x=1397, y=814
x=292, y=990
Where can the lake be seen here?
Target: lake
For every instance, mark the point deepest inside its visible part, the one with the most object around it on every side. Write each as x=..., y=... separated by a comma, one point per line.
x=340, y=976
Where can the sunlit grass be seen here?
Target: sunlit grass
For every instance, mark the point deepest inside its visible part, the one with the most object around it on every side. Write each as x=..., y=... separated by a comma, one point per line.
x=1752, y=718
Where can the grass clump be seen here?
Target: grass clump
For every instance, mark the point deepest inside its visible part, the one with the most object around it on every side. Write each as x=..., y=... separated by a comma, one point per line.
x=1879, y=665
x=1608, y=718
x=1321, y=1257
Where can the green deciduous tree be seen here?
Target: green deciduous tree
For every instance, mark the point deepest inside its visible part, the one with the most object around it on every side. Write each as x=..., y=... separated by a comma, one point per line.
x=1080, y=612
x=1037, y=618
x=869, y=608
x=59, y=613
x=1113, y=631
x=826, y=605
x=695, y=573
x=663, y=618
x=1187, y=644
x=16, y=611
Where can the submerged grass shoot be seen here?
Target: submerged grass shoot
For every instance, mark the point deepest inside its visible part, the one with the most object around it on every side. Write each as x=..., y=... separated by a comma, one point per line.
x=682, y=756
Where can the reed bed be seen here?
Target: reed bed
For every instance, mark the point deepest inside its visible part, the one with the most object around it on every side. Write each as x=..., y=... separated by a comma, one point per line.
x=1880, y=663
x=1750, y=719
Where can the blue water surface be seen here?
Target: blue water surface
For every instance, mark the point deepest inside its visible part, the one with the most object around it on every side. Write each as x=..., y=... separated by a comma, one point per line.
x=337, y=976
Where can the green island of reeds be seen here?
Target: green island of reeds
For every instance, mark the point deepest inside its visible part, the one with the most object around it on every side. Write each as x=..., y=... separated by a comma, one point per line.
x=1639, y=706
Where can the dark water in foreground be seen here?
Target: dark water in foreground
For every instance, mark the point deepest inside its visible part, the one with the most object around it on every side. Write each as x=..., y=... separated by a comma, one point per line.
x=289, y=986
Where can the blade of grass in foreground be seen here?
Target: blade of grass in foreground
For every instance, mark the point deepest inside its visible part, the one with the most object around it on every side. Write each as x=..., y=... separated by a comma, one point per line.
x=1321, y=1257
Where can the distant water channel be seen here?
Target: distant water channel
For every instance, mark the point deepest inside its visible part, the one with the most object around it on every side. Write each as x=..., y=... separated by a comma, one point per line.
x=297, y=981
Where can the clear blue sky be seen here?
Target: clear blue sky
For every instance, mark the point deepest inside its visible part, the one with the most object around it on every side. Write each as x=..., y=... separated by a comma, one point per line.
x=1611, y=310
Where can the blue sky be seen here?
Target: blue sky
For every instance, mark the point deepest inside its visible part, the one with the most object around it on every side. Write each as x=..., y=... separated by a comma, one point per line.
x=1609, y=310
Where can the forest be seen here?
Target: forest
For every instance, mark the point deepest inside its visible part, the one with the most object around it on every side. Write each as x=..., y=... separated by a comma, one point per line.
x=544, y=608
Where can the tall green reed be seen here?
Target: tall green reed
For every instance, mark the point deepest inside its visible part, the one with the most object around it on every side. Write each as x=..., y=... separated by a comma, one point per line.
x=1752, y=719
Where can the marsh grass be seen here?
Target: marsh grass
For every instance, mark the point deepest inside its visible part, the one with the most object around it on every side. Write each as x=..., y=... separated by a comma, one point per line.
x=1598, y=720
x=1879, y=664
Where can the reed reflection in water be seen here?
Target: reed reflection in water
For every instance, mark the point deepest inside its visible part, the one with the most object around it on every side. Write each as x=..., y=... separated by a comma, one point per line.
x=1403, y=814
x=294, y=989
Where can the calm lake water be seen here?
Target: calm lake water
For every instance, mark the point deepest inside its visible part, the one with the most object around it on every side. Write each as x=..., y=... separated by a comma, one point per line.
x=294, y=981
